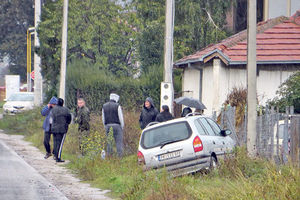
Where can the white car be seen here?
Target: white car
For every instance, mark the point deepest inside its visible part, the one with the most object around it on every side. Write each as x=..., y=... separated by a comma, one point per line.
x=184, y=145
x=18, y=102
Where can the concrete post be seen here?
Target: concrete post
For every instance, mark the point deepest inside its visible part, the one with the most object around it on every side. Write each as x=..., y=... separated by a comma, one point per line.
x=168, y=53
x=216, y=84
x=251, y=79
x=38, y=80
x=63, y=64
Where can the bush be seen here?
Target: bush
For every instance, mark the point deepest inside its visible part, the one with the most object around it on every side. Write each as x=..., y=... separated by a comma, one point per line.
x=95, y=85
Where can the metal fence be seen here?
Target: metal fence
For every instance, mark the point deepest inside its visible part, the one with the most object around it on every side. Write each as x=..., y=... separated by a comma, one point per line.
x=278, y=134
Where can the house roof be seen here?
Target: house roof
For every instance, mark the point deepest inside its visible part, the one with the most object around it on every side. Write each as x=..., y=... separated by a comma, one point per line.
x=278, y=41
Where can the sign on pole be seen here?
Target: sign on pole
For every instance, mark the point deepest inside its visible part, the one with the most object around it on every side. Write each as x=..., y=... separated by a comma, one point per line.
x=32, y=75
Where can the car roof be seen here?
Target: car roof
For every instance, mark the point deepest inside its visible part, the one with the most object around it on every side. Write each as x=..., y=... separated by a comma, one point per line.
x=181, y=119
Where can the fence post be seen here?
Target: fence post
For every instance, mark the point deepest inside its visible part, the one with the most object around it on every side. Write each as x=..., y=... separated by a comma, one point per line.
x=271, y=128
x=222, y=118
x=259, y=134
x=285, y=136
x=277, y=133
x=295, y=137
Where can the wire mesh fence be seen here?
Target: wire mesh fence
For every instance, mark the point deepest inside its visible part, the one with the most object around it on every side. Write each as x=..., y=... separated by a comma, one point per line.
x=277, y=133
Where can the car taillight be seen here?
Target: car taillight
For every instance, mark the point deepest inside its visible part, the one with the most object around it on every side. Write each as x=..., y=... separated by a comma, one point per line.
x=141, y=159
x=197, y=143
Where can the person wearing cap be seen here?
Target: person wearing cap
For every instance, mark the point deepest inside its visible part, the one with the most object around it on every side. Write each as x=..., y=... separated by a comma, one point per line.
x=47, y=125
x=165, y=115
x=112, y=117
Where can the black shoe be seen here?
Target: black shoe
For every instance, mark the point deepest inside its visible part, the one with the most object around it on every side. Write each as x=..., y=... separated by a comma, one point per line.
x=47, y=155
x=59, y=160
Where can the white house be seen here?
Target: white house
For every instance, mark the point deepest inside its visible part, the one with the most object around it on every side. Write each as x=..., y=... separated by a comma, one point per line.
x=211, y=73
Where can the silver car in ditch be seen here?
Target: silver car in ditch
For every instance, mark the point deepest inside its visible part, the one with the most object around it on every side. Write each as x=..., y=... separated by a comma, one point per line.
x=184, y=145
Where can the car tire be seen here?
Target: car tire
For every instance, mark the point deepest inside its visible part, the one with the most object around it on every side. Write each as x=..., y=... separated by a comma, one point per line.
x=213, y=163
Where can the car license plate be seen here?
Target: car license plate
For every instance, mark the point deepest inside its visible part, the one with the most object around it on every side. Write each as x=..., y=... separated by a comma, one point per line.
x=170, y=155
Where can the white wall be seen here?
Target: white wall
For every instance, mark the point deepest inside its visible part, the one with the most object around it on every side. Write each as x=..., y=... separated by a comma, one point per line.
x=191, y=82
x=213, y=96
x=207, y=89
x=268, y=83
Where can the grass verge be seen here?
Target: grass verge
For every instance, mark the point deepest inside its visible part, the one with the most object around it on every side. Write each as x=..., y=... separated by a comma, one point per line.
x=237, y=178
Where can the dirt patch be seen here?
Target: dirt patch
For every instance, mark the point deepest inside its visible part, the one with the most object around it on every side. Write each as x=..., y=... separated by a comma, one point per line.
x=55, y=173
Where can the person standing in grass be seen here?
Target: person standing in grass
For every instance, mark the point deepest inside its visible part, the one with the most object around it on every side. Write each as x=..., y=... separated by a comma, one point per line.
x=112, y=117
x=47, y=126
x=148, y=113
x=82, y=118
x=61, y=118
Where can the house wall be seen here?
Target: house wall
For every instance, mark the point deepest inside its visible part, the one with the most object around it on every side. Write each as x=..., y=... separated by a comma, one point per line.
x=218, y=80
x=191, y=82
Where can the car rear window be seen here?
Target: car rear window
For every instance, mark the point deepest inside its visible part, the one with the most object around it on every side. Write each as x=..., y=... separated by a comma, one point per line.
x=167, y=133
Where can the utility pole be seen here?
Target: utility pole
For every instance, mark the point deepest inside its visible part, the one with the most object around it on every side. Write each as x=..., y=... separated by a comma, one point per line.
x=38, y=80
x=29, y=33
x=167, y=91
x=63, y=64
x=251, y=79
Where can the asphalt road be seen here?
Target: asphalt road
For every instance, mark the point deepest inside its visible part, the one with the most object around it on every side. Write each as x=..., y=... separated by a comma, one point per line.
x=19, y=181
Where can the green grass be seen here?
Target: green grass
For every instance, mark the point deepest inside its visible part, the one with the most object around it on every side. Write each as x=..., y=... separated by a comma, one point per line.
x=1, y=106
x=237, y=178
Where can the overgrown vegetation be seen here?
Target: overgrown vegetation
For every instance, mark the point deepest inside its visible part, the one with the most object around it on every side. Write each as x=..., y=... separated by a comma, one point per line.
x=288, y=94
x=239, y=177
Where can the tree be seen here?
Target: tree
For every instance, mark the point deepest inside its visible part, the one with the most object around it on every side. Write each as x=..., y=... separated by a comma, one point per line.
x=99, y=31
x=197, y=24
x=15, y=18
x=288, y=94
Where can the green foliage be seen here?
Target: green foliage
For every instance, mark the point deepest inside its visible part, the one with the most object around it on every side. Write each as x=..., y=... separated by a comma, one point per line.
x=98, y=32
x=288, y=94
x=110, y=140
x=94, y=144
x=86, y=80
x=15, y=18
x=197, y=24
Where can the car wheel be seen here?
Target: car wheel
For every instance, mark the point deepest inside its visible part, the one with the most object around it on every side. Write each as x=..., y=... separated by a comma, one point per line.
x=213, y=163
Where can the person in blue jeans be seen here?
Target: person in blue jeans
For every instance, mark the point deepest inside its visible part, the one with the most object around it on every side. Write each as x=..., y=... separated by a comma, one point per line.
x=112, y=117
x=47, y=126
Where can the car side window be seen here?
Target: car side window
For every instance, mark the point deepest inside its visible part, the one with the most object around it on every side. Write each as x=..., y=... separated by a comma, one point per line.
x=199, y=127
x=214, y=126
x=208, y=128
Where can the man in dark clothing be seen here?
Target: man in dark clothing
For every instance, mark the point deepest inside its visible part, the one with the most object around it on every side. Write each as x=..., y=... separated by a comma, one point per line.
x=148, y=113
x=165, y=115
x=47, y=126
x=112, y=117
x=82, y=119
x=61, y=118
x=186, y=111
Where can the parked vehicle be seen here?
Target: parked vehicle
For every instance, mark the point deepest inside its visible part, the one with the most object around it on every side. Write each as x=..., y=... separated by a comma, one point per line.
x=18, y=102
x=184, y=145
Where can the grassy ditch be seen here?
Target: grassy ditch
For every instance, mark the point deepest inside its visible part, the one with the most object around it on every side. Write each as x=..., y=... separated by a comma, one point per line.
x=237, y=178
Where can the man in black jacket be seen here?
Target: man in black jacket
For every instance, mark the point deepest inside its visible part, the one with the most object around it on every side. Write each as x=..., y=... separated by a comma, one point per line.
x=61, y=118
x=165, y=115
x=148, y=113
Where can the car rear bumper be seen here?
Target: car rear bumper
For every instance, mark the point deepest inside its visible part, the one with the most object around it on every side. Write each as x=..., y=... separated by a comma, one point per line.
x=186, y=167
